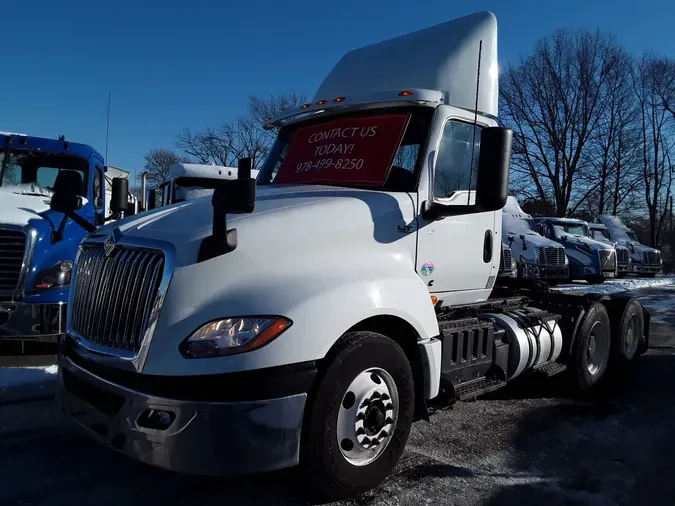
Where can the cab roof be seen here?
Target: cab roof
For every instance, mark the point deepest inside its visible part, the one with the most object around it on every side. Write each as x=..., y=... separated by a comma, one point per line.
x=22, y=141
x=435, y=65
x=564, y=221
x=443, y=57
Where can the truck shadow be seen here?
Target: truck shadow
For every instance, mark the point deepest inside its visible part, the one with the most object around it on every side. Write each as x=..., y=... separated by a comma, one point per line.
x=616, y=451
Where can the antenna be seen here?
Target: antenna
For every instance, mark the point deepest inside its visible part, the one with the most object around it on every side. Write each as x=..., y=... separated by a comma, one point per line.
x=475, y=122
x=107, y=131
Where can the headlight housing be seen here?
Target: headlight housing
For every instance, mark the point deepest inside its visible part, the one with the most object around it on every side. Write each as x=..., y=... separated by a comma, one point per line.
x=230, y=336
x=54, y=276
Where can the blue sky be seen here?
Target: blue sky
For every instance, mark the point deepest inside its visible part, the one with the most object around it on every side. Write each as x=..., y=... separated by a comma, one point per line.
x=173, y=64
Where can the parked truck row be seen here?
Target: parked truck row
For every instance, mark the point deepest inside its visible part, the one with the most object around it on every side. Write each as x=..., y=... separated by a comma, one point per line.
x=566, y=249
x=307, y=317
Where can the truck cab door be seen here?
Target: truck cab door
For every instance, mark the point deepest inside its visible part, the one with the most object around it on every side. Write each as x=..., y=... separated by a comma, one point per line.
x=457, y=256
x=98, y=195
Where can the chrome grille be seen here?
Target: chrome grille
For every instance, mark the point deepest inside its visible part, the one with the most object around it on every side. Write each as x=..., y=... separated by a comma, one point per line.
x=652, y=257
x=114, y=295
x=12, y=250
x=505, y=260
x=622, y=256
x=607, y=259
x=551, y=256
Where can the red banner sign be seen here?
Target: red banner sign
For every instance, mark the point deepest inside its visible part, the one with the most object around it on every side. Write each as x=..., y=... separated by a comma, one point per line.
x=350, y=151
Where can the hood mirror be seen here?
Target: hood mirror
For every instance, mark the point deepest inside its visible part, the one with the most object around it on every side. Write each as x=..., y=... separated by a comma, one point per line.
x=235, y=196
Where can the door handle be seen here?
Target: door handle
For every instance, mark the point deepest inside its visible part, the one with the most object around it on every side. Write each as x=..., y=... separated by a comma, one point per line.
x=487, y=247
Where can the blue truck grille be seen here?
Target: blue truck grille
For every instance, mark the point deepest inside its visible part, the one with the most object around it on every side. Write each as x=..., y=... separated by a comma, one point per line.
x=607, y=259
x=652, y=258
x=505, y=260
x=551, y=256
x=114, y=295
x=12, y=250
x=622, y=256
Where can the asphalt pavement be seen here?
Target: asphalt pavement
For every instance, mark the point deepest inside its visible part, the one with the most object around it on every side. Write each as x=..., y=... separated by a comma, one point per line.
x=526, y=444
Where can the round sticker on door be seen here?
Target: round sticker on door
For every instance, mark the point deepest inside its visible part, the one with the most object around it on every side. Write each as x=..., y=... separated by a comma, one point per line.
x=427, y=269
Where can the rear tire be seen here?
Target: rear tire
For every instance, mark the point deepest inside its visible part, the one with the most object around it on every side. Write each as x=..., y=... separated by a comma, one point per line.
x=359, y=417
x=590, y=353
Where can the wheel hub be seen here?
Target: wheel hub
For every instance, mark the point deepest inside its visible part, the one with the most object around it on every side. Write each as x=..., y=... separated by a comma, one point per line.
x=367, y=416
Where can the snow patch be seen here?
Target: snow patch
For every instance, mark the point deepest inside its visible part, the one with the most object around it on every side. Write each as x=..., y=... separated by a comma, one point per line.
x=16, y=209
x=618, y=285
x=17, y=376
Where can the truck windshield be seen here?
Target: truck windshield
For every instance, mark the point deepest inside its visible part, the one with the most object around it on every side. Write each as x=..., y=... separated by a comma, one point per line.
x=29, y=172
x=599, y=235
x=573, y=229
x=632, y=236
x=379, y=149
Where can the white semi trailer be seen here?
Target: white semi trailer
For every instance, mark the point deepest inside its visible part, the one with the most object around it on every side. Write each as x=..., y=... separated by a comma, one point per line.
x=309, y=319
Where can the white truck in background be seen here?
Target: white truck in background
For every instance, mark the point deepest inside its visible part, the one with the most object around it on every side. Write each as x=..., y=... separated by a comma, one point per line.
x=188, y=181
x=310, y=319
x=536, y=256
x=645, y=261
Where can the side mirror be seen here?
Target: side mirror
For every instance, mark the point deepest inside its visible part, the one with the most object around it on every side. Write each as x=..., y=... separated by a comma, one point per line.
x=234, y=196
x=66, y=200
x=492, y=180
x=494, y=159
x=119, y=200
x=151, y=199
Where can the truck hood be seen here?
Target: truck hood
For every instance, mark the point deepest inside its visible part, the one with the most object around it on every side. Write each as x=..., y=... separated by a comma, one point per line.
x=16, y=209
x=291, y=212
x=573, y=240
x=531, y=239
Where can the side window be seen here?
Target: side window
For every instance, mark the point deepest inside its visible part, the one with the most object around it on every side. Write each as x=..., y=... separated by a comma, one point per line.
x=453, y=163
x=98, y=188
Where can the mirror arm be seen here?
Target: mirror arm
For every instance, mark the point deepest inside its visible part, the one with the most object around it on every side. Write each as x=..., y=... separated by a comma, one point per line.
x=57, y=235
x=80, y=221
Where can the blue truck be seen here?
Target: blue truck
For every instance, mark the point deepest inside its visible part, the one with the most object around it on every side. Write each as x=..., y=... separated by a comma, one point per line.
x=37, y=244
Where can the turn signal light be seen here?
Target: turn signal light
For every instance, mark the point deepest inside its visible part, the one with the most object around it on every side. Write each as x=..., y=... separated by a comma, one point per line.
x=434, y=300
x=406, y=93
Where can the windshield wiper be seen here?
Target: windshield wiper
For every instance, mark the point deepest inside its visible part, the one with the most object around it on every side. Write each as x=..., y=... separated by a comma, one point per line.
x=33, y=194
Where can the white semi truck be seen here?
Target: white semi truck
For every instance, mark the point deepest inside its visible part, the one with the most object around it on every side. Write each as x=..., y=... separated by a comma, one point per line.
x=310, y=319
x=536, y=256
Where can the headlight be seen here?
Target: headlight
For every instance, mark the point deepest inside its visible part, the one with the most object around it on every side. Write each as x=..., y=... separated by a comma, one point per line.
x=55, y=276
x=229, y=336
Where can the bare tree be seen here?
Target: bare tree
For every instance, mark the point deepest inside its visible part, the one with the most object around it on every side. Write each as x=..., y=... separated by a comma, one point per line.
x=244, y=137
x=553, y=102
x=614, y=147
x=157, y=164
x=654, y=76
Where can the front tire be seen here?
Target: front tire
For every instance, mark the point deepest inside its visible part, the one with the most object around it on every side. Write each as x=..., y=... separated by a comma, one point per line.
x=359, y=417
x=590, y=353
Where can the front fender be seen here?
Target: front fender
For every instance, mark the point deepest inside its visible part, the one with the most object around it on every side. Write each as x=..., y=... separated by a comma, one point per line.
x=323, y=305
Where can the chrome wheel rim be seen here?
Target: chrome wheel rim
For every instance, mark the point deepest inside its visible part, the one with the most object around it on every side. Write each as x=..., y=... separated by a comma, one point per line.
x=367, y=416
x=595, y=350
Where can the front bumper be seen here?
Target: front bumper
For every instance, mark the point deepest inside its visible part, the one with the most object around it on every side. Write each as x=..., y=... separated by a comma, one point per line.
x=32, y=322
x=646, y=269
x=206, y=438
x=532, y=271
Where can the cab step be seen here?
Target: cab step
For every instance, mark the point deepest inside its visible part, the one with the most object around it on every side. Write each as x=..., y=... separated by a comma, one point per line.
x=471, y=390
x=551, y=368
